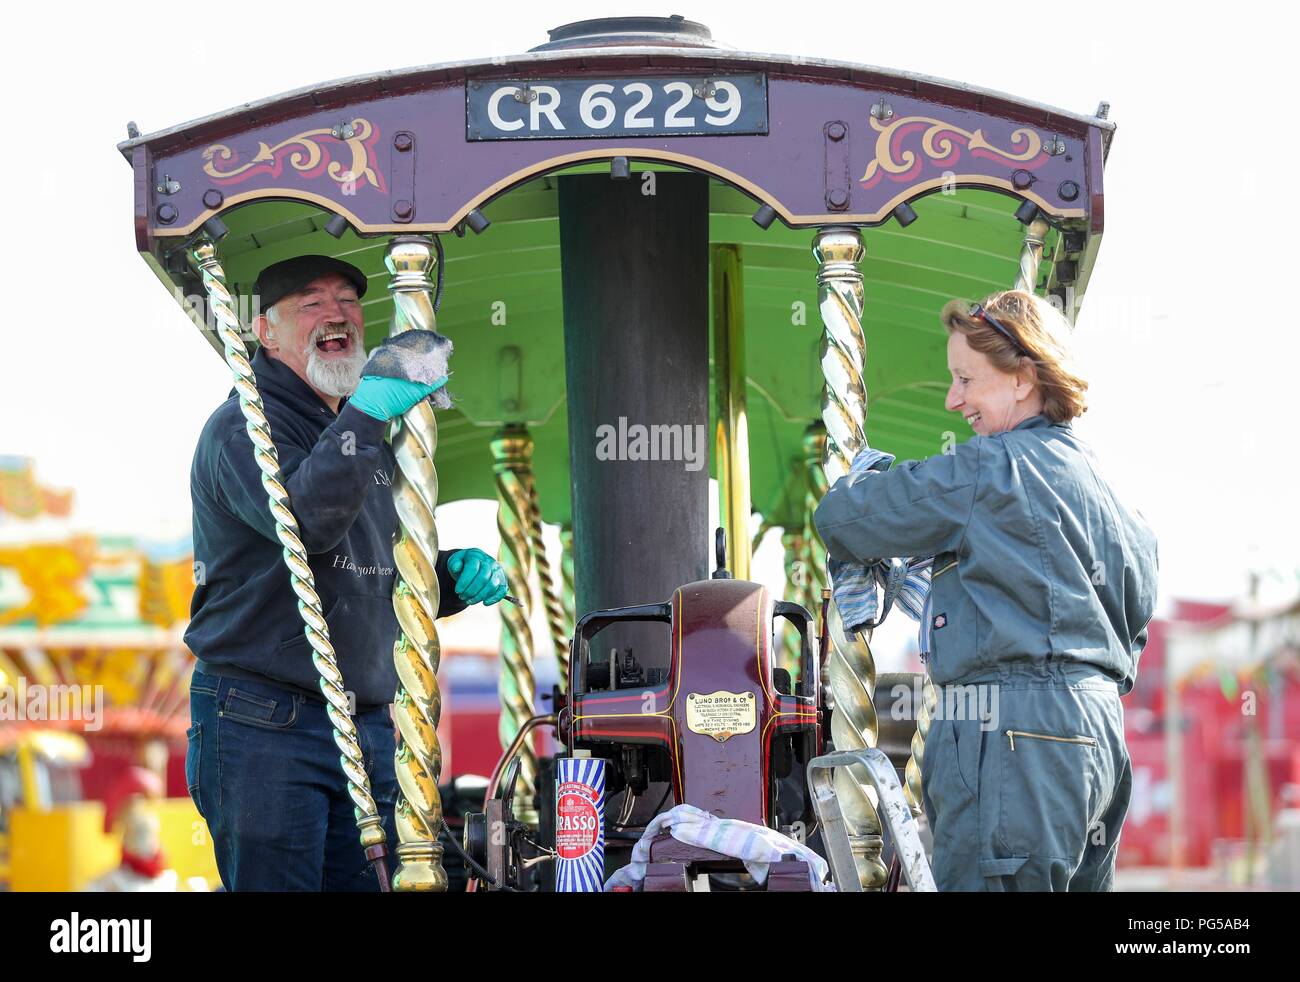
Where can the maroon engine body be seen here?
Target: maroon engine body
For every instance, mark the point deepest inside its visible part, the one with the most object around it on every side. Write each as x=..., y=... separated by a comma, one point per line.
x=730, y=732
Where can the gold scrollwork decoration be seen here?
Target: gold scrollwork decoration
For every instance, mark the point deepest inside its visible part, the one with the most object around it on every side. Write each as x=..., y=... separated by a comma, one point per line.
x=305, y=154
x=939, y=141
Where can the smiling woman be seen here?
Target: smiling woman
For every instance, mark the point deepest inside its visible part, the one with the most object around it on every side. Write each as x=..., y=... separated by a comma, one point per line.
x=1010, y=359
x=1043, y=587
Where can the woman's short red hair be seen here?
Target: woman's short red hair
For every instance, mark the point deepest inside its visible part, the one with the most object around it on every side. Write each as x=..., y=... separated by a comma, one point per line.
x=1042, y=331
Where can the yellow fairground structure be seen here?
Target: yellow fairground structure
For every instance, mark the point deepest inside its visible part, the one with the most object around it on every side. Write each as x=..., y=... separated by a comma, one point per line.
x=94, y=624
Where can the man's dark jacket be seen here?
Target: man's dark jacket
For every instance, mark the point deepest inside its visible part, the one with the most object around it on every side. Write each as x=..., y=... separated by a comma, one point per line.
x=338, y=470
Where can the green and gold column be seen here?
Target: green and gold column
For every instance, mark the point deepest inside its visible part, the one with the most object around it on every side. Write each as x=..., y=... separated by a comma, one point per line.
x=555, y=617
x=416, y=652
x=512, y=452
x=566, y=578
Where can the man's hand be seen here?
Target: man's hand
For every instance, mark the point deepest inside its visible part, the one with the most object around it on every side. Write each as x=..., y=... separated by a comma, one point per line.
x=479, y=577
x=388, y=398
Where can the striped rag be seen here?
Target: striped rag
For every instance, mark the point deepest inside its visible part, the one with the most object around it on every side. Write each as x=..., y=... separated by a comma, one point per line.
x=864, y=595
x=755, y=845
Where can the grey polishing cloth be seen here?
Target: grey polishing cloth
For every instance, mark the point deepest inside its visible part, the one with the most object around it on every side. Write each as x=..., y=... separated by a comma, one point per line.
x=417, y=356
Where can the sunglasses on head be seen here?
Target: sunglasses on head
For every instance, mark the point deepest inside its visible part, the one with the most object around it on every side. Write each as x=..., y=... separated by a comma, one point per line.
x=978, y=312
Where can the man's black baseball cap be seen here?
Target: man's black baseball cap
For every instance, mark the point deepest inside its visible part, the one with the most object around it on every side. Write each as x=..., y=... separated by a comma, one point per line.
x=280, y=279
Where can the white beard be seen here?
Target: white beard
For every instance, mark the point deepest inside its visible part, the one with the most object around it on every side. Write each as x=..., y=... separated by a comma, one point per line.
x=336, y=377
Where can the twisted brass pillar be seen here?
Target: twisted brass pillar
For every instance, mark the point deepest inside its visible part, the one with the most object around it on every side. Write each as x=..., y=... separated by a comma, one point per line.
x=416, y=652
x=850, y=667
x=912, y=775
x=204, y=259
x=546, y=581
x=814, y=559
x=512, y=451
x=1031, y=255
x=566, y=578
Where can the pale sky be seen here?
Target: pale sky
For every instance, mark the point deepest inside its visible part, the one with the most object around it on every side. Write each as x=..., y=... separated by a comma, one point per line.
x=1187, y=333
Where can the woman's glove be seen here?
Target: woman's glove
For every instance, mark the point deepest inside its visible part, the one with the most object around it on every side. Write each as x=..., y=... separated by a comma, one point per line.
x=479, y=577
x=388, y=398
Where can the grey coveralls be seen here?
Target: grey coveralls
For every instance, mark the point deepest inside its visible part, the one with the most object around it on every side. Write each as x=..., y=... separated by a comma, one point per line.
x=1043, y=584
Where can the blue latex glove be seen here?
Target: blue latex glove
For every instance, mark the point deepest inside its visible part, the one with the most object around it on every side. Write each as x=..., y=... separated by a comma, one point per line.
x=479, y=578
x=387, y=398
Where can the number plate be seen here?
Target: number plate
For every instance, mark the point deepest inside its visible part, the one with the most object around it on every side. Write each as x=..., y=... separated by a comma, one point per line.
x=559, y=108
x=721, y=714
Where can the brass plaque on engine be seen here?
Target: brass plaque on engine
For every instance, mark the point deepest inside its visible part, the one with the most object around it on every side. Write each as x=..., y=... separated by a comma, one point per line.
x=721, y=714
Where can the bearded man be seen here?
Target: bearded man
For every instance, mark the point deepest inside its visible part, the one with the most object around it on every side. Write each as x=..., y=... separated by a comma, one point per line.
x=262, y=766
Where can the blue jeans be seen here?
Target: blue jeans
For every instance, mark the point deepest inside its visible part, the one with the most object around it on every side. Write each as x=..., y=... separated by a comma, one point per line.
x=263, y=770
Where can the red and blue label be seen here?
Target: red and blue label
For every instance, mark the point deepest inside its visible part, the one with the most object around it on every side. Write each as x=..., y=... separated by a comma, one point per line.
x=580, y=825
